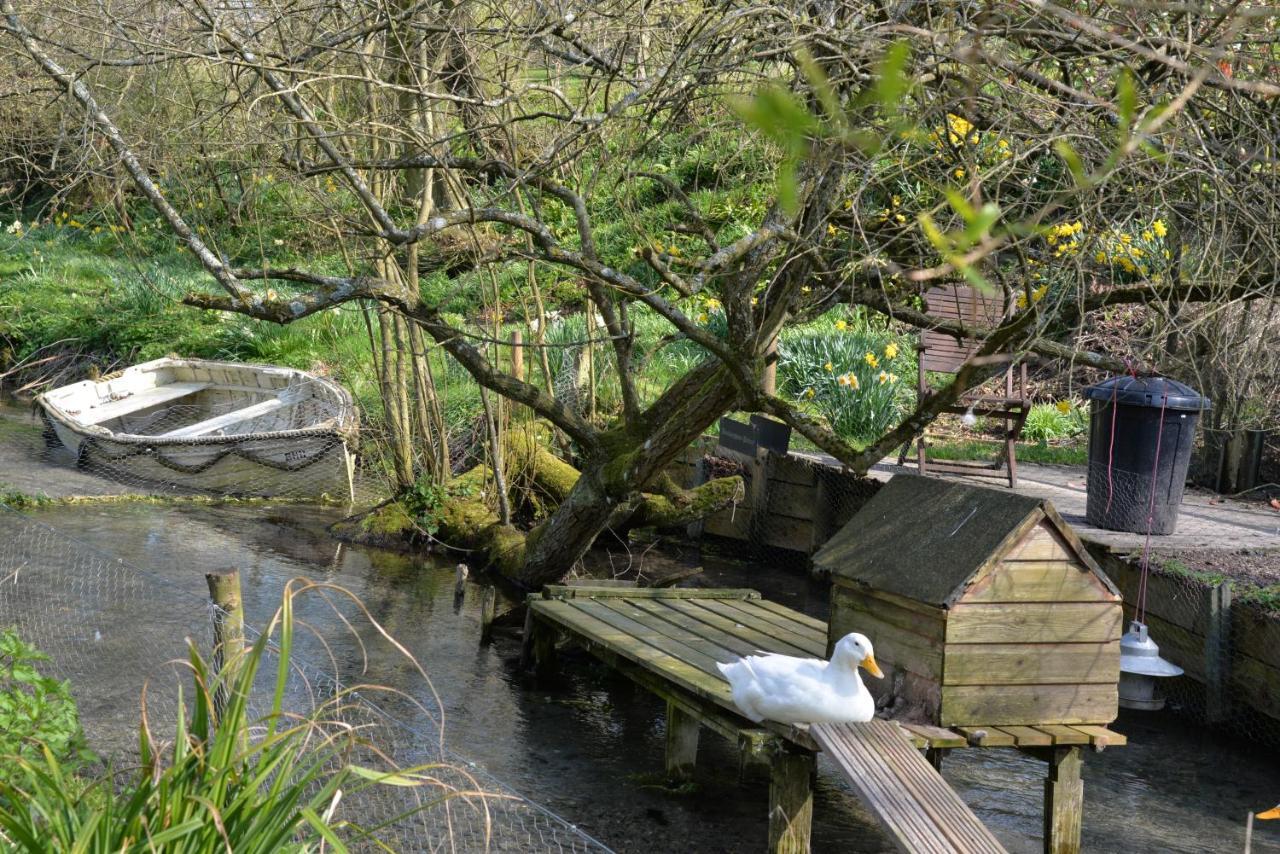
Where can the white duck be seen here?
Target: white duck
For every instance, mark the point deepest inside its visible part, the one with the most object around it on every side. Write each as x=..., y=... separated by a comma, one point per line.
x=806, y=690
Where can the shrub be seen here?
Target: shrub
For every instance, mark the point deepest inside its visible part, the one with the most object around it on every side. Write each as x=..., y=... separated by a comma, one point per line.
x=36, y=711
x=1048, y=421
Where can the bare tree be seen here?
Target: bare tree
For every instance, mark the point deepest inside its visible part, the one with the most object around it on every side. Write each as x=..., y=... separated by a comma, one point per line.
x=1014, y=146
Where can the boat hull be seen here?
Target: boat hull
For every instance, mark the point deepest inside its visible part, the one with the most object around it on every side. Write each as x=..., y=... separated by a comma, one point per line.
x=313, y=460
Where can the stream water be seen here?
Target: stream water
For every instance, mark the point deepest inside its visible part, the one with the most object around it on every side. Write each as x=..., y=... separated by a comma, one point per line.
x=589, y=746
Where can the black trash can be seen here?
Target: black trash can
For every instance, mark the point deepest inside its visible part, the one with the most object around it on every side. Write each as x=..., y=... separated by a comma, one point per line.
x=1140, y=435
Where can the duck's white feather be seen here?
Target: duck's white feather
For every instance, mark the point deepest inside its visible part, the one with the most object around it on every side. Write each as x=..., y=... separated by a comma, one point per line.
x=800, y=690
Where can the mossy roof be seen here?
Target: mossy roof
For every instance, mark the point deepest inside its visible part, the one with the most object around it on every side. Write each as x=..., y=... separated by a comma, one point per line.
x=923, y=538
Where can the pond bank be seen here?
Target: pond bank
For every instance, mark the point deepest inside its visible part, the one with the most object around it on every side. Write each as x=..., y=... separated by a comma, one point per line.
x=1172, y=789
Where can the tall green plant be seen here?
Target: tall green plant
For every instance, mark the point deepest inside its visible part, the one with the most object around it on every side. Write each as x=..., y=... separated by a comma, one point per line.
x=217, y=788
x=36, y=711
x=852, y=377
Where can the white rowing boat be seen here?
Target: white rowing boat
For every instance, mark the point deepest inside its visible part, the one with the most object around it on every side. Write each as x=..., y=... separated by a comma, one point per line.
x=219, y=427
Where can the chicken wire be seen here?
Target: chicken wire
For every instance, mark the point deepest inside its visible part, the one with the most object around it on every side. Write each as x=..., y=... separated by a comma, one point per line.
x=112, y=627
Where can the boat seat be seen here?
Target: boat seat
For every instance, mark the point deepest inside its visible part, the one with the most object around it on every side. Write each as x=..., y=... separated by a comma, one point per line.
x=136, y=402
x=287, y=396
x=228, y=419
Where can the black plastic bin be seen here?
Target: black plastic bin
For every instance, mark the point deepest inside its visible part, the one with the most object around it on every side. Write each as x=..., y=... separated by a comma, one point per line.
x=1132, y=420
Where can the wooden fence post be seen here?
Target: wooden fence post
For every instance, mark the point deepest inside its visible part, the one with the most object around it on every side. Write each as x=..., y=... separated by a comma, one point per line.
x=761, y=470
x=228, y=631
x=517, y=355
x=1217, y=652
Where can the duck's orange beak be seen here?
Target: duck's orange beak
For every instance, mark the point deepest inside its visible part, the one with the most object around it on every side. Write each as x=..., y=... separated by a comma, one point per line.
x=874, y=669
x=1274, y=812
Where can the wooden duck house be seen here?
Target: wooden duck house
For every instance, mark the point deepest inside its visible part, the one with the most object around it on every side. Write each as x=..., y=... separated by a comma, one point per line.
x=982, y=604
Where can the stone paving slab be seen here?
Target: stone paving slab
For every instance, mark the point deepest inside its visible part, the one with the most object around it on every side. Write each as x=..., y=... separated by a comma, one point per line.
x=1205, y=520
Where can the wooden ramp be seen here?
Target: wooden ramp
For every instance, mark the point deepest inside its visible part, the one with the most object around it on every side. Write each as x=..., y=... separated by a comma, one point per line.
x=921, y=813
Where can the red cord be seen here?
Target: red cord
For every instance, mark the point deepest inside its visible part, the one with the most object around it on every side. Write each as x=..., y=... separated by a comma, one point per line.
x=1151, y=513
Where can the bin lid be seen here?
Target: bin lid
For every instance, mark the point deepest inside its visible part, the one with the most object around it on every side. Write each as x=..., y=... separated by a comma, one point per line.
x=1148, y=391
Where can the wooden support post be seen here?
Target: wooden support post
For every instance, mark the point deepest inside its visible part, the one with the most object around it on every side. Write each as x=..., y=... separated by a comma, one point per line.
x=761, y=469
x=682, y=743
x=228, y=631
x=488, y=612
x=695, y=528
x=791, y=802
x=539, y=650
x=825, y=502
x=935, y=755
x=517, y=355
x=1063, y=801
x=1217, y=652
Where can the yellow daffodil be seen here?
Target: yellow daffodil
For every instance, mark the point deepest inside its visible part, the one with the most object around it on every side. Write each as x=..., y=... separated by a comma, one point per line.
x=828, y=367
x=871, y=360
x=891, y=350
x=1146, y=235
x=1159, y=228
x=1064, y=406
x=831, y=230
x=959, y=173
x=893, y=378
x=841, y=325
x=808, y=393
x=883, y=377
x=702, y=318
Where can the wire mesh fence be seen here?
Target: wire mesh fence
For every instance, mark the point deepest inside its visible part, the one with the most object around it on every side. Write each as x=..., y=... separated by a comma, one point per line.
x=112, y=627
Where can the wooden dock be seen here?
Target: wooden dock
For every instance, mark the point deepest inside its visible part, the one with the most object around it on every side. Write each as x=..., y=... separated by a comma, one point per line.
x=669, y=640
x=920, y=812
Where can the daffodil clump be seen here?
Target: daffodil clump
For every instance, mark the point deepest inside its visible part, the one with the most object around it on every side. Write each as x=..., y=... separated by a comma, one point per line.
x=853, y=377
x=1136, y=253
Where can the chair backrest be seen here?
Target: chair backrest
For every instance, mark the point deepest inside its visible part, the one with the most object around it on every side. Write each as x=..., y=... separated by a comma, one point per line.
x=942, y=352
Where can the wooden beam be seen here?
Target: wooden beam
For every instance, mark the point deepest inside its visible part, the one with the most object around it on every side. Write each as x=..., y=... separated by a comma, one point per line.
x=791, y=802
x=682, y=742
x=1063, y=801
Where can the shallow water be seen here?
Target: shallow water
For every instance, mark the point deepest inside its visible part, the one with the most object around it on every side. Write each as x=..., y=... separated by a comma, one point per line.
x=588, y=746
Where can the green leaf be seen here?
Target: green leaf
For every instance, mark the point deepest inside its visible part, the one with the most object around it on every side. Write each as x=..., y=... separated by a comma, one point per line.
x=891, y=79
x=1126, y=96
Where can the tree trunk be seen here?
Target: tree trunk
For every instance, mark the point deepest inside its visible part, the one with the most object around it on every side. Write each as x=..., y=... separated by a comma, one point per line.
x=629, y=464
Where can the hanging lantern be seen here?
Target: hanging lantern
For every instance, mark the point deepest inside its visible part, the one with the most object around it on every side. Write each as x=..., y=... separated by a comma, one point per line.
x=1140, y=666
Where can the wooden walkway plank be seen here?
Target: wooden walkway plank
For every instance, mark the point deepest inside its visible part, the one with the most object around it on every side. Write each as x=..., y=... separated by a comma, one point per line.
x=921, y=812
x=940, y=801
x=871, y=776
x=712, y=652
x=778, y=608
x=936, y=736
x=788, y=624
x=1064, y=734
x=593, y=630
x=681, y=648
x=728, y=626
x=588, y=591
x=1027, y=737
x=1102, y=737
x=987, y=736
x=660, y=615
x=751, y=618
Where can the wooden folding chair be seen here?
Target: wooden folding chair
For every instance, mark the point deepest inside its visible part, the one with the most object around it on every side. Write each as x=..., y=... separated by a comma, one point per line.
x=940, y=352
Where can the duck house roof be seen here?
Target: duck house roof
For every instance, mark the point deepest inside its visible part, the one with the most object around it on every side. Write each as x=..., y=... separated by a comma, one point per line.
x=924, y=538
